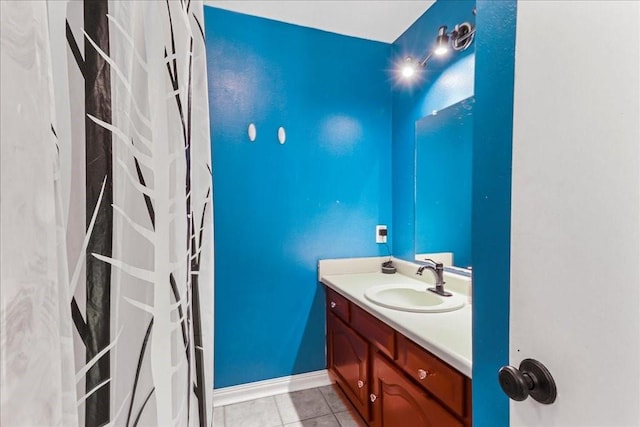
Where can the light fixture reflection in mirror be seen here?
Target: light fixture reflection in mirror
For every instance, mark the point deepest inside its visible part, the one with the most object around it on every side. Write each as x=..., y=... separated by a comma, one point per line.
x=442, y=42
x=459, y=39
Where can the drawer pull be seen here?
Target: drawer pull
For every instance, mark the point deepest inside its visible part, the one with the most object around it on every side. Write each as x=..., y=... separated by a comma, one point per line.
x=360, y=384
x=422, y=374
x=373, y=397
x=333, y=304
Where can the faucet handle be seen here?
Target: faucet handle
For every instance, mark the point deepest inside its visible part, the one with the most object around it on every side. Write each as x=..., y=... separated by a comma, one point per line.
x=438, y=265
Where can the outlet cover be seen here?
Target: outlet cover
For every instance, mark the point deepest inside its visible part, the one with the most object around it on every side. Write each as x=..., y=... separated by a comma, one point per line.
x=381, y=234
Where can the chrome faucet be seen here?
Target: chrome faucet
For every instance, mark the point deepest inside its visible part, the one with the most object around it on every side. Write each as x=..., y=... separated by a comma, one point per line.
x=437, y=268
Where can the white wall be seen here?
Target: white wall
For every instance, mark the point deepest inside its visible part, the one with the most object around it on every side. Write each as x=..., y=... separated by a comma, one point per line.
x=380, y=20
x=575, y=267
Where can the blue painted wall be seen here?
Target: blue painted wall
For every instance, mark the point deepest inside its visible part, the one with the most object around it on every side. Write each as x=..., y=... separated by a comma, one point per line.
x=487, y=71
x=491, y=206
x=445, y=81
x=280, y=208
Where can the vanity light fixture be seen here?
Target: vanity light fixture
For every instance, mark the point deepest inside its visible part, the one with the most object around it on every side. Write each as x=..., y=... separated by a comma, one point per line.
x=459, y=39
x=442, y=42
x=409, y=68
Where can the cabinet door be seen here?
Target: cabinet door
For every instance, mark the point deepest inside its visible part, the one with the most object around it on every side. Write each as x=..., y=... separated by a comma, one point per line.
x=348, y=359
x=397, y=402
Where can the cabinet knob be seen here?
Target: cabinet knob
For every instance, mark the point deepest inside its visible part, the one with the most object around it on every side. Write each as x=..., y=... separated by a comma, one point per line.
x=531, y=379
x=422, y=374
x=333, y=304
x=360, y=384
x=373, y=397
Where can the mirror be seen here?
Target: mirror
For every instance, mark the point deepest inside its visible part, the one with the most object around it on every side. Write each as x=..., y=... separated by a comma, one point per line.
x=444, y=142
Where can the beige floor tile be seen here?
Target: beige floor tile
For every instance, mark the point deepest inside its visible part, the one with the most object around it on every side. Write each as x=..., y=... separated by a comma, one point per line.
x=350, y=419
x=337, y=401
x=254, y=413
x=324, y=421
x=218, y=416
x=302, y=405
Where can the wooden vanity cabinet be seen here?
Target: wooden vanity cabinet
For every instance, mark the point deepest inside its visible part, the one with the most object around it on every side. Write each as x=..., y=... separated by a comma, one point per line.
x=338, y=305
x=398, y=402
x=388, y=378
x=348, y=357
x=380, y=335
x=433, y=374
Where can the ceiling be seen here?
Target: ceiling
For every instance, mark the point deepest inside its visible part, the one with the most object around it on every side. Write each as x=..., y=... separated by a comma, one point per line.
x=376, y=20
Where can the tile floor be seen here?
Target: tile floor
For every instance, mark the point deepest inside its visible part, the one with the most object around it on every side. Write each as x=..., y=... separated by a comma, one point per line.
x=321, y=407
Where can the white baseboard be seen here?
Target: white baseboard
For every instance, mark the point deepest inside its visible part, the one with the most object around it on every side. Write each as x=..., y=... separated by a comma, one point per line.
x=243, y=392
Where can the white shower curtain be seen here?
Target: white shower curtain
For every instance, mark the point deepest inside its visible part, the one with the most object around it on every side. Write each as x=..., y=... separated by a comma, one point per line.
x=106, y=244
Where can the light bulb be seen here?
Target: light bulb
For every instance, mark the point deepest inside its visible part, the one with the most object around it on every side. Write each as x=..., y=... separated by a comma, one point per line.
x=408, y=71
x=440, y=50
x=409, y=68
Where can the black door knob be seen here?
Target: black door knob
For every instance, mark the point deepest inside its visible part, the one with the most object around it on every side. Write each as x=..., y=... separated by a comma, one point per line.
x=531, y=379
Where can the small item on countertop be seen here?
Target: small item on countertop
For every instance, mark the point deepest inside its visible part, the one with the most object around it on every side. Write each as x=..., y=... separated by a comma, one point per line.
x=388, y=268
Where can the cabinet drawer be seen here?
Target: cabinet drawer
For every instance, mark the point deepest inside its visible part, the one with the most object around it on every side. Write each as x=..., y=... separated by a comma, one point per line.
x=338, y=304
x=378, y=333
x=397, y=402
x=444, y=382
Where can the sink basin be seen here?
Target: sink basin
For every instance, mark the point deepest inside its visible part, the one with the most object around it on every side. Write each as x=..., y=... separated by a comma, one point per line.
x=414, y=298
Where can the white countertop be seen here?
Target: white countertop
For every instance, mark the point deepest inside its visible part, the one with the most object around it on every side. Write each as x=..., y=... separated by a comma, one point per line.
x=447, y=335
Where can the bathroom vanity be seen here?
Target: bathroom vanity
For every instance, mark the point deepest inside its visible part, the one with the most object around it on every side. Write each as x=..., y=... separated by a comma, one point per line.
x=397, y=368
